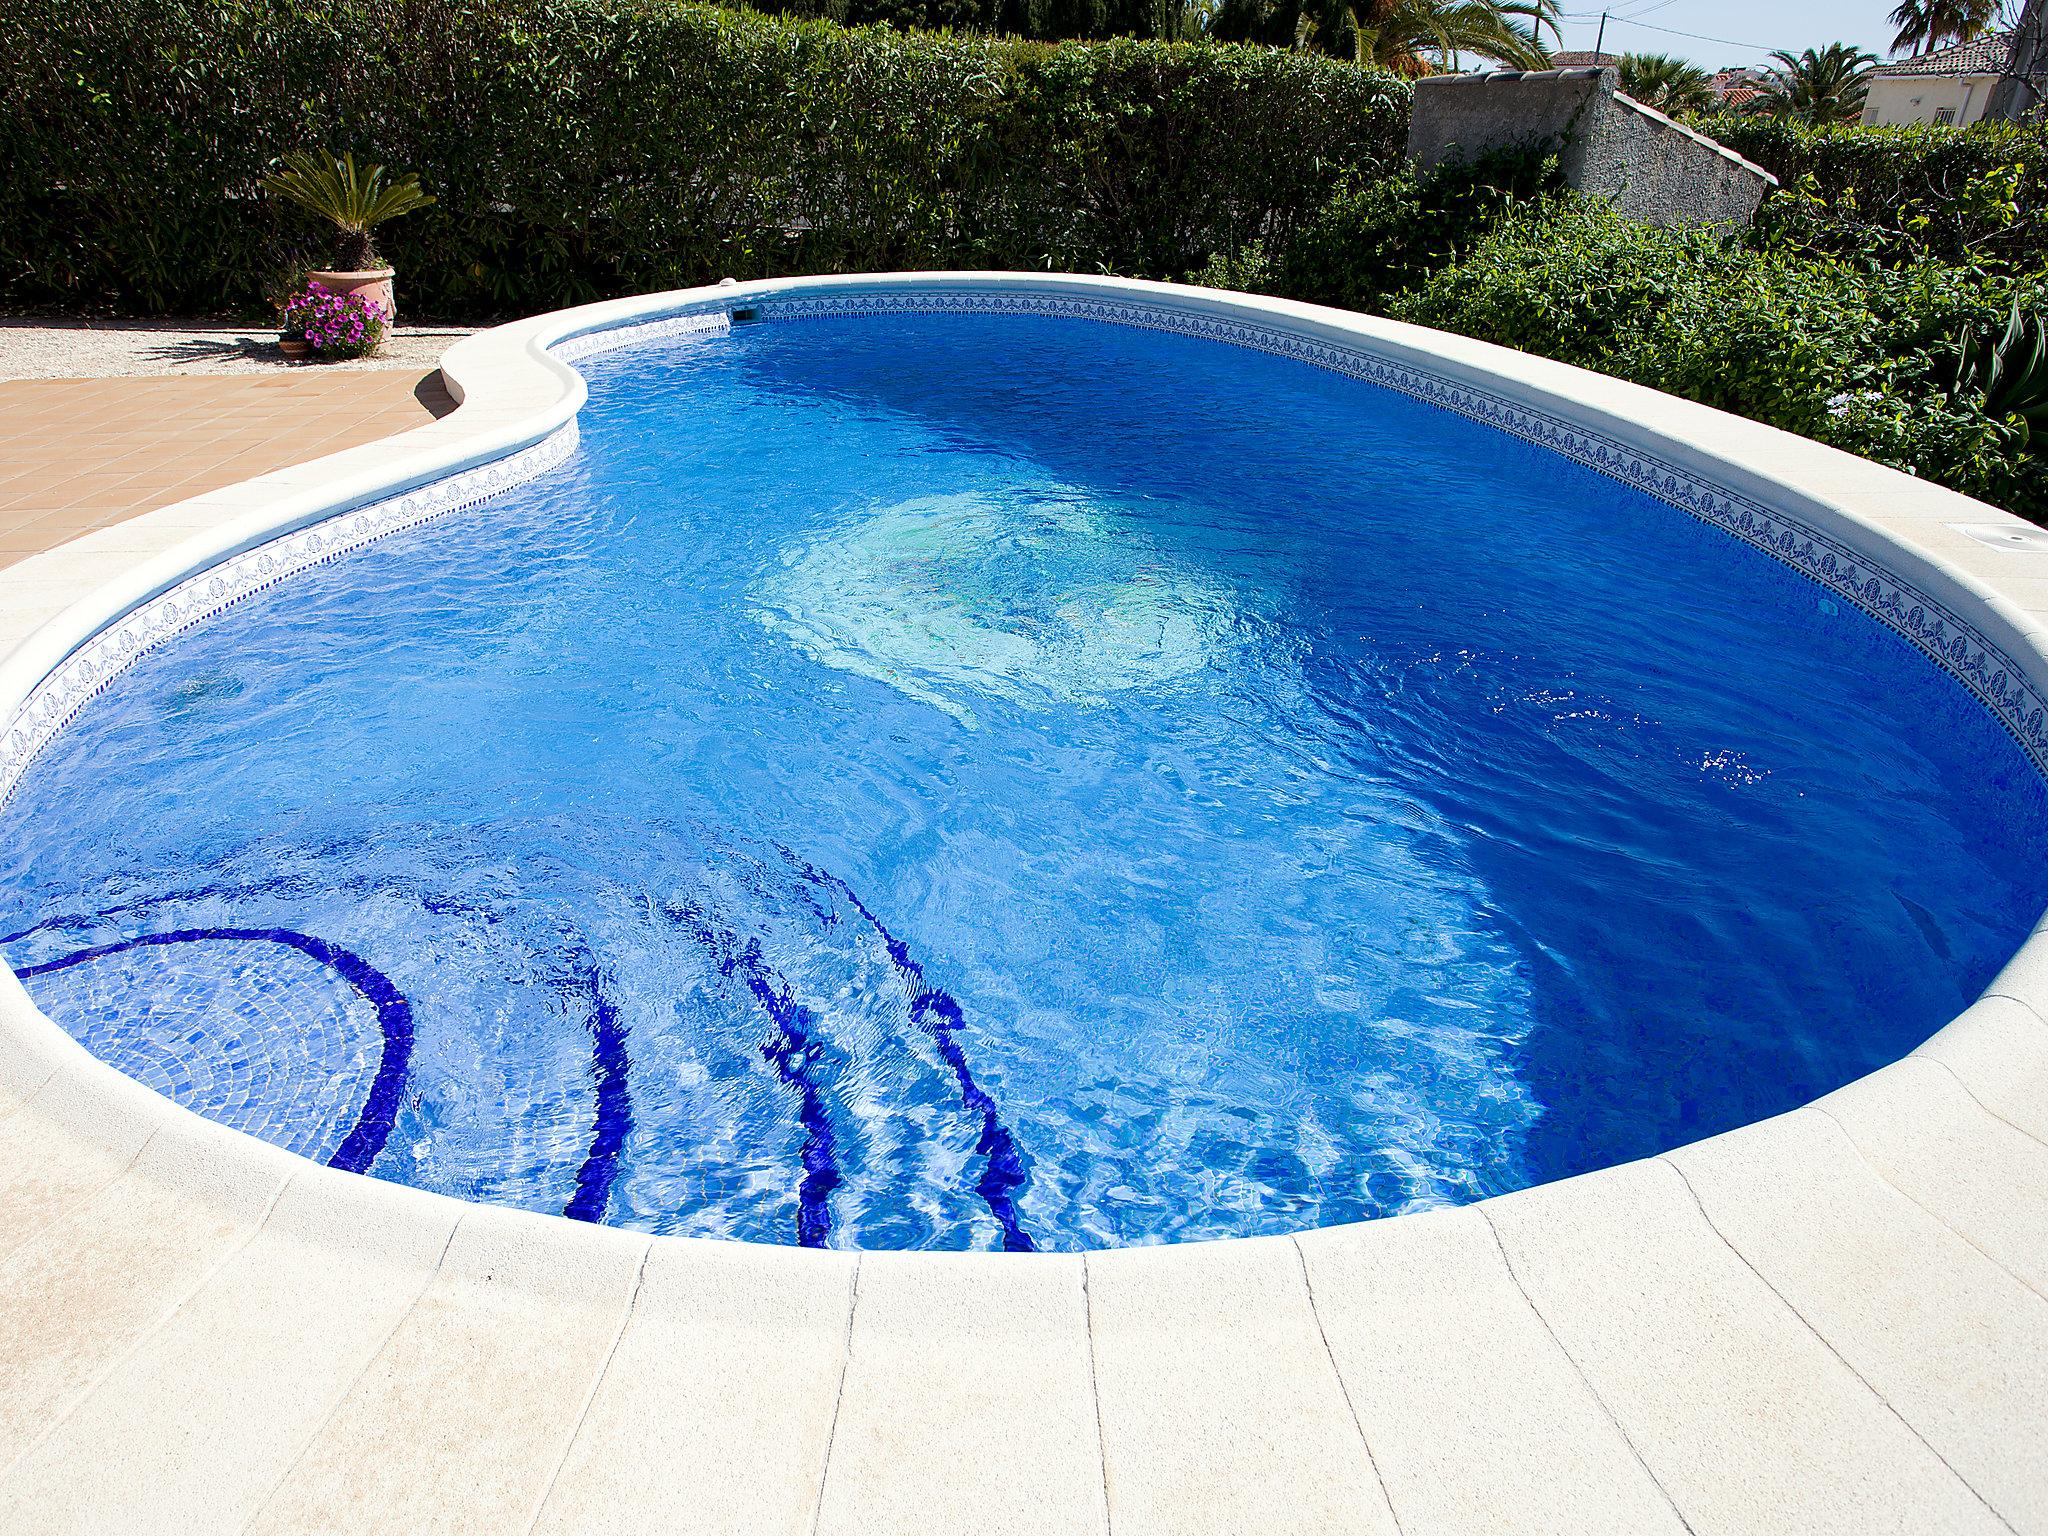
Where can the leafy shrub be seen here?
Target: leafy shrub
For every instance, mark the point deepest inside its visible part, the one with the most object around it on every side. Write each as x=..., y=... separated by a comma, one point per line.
x=1042, y=19
x=1859, y=357
x=1878, y=178
x=589, y=147
x=1246, y=271
x=1375, y=238
x=335, y=326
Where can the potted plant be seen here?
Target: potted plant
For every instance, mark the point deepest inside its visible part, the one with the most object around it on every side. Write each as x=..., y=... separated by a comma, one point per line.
x=332, y=326
x=288, y=286
x=355, y=202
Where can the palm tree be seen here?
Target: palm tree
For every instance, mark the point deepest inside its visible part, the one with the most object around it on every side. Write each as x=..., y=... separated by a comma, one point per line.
x=1410, y=37
x=1420, y=37
x=1669, y=84
x=1824, y=87
x=1924, y=25
x=1181, y=21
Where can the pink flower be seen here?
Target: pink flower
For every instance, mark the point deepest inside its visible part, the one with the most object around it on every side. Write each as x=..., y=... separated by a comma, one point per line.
x=345, y=323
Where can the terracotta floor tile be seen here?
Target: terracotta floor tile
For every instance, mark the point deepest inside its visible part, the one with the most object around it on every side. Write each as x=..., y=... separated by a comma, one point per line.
x=81, y=454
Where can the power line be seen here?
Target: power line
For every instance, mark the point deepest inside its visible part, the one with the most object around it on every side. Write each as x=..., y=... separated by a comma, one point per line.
x=1655, y=5
x=1698, y=37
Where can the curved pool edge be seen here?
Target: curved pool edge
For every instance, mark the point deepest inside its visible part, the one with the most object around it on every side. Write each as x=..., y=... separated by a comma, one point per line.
x=1602, y=1345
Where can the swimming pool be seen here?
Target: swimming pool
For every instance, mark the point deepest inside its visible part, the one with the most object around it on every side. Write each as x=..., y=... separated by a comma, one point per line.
x=948, y=775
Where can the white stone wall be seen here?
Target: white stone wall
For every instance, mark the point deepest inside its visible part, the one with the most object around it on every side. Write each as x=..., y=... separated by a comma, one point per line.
x=1652, y=168
x=1918, y=98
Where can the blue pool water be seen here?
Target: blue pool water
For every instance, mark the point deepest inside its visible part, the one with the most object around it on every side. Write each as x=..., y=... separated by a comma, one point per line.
x=975, y=781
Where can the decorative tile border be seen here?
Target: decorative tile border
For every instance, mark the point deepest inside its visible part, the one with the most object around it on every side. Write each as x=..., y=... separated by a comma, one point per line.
x=1945, y=637
x=88, y=670
x=715, y=322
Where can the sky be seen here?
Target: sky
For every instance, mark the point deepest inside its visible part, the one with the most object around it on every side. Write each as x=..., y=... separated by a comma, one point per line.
x=1745, y=30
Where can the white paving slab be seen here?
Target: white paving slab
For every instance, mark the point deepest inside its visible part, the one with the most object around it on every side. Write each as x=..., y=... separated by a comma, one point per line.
x=24, y=1072
x=189, y=1432
x=968, y=1403
x=461, y=1419
x=1221, y=1408
x=2025, y=977
x=1955, y=1345
x=717, y=1407
x=1478, y=1420
x=102, y=1275
x=1923, y=1131
x=48, y=1164
x=1998, y=1051
x=1745, y=1415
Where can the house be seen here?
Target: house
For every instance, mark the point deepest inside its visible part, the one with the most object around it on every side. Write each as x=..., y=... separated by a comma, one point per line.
x=1949, y=85
x=1735, y=86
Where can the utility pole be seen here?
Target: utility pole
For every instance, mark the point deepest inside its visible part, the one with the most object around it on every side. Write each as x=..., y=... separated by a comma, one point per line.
x=1602, y=38
x=2016, y=94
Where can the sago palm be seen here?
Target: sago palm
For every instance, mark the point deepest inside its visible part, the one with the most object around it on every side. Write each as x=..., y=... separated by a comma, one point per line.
x=354, y=201
x=1669, y=84
x=1828, y=86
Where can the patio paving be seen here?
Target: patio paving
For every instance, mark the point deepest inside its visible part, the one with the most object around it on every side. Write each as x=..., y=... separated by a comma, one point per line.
x=81, y=454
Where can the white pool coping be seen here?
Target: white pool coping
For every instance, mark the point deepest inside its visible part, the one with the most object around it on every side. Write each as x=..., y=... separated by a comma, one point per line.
x=1833, y=1320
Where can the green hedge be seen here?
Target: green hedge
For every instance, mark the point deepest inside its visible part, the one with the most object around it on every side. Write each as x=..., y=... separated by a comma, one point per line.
x=1375, y=240
x=1878, y=174
x=1836, y=350
x=583, y=148
x=1017, y=18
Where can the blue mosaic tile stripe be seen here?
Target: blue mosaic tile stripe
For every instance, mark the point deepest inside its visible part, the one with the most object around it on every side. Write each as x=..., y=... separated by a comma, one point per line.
x=1005, y=1170
x=372, y=1129
x=609, y=1071
x=610, y=1062
x=1954, y=644
x=793, y=1051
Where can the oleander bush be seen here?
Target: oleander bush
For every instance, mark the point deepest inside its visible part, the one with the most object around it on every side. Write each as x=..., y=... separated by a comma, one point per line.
x=1857, y=355
x=583, y=148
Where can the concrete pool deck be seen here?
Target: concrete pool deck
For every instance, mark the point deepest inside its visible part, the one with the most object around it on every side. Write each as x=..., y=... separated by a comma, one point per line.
x=1836, y=1320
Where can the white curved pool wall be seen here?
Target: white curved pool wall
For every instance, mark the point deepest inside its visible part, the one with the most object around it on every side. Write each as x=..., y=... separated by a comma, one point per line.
x=1835, y=1320
x=1965, y=582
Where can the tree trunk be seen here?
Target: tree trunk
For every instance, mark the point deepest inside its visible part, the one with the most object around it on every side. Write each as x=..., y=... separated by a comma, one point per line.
x=2017, y=93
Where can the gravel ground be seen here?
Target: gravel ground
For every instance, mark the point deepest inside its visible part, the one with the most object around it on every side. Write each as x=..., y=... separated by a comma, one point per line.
x=101, y=349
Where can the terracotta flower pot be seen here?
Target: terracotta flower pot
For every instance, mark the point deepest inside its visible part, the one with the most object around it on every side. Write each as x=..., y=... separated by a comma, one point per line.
x=376, y=284
x=293, y=346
